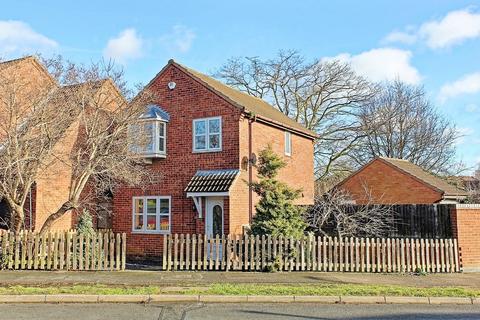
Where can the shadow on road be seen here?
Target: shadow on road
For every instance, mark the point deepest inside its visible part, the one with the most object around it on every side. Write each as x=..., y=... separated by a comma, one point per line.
x=404, y=316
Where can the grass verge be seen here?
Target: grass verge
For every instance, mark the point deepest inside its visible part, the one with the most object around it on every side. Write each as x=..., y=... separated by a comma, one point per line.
x=252, y=289
x=337, y=290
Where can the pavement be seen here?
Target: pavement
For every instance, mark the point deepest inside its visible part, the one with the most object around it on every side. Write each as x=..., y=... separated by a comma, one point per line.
x=263, y=311
x=185, y=279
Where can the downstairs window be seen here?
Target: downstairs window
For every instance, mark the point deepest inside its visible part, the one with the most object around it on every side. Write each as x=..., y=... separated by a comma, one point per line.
x=151, y=214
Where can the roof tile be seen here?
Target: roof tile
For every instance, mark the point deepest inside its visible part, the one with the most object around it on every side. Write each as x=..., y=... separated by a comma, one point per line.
x=252, y=104
x=426, y=177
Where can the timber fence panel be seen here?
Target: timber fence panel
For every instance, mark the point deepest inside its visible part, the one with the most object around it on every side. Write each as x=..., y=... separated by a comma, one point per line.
x=340, y=254
x=62, y=250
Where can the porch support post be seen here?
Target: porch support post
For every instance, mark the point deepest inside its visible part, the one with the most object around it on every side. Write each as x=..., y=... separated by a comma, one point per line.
x=198, y=205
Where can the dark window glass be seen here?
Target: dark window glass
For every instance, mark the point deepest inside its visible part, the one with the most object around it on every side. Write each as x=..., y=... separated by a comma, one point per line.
x=217, y=220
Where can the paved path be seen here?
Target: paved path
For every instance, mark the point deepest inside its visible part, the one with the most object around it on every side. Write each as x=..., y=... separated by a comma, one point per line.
x=236, y=311
x=471, y=280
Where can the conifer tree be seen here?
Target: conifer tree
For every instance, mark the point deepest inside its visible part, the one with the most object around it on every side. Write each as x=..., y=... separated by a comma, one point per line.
x=85, y=223
x=275, y=212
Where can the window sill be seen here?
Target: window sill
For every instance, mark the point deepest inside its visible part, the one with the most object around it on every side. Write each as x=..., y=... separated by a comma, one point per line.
x=153, y=155
x=207, y=151
x=150, y=232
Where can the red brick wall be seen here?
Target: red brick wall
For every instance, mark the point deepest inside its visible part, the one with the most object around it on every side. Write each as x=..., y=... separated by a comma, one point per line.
x=188, y=101
x=298, y=173
x=388, y=185
x=466, y=228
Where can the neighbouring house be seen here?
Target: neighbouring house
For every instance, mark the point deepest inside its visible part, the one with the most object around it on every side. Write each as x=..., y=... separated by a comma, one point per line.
x=397, y=181
x=51, y=188
x=205, y=137
x=27, y=77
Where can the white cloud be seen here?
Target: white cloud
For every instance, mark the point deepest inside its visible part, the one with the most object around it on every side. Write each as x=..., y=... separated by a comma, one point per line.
x=471, y=107
x=382, y=64
x=401, y=37
x=180, y=39
x=468, y=84
x=454, y=28
x=17, y=37
x=126, y=46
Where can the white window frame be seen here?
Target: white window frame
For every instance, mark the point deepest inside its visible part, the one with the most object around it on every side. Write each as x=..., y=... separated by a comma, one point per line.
x=155, y=152
x=162, y=135
x=207, y=135
x=157, y=214
x=288, y=143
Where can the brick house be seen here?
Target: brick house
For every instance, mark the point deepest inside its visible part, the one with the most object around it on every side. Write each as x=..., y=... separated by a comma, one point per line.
x=51, y=188
x=397, y=181
x=205, y=138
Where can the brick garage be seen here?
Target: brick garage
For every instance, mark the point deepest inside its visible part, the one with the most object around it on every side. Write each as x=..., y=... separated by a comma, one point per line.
x=466, y=228
x=397, y=181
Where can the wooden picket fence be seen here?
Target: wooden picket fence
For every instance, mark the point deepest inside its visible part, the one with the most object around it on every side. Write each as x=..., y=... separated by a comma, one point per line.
x=249, y=253
x=65, y=250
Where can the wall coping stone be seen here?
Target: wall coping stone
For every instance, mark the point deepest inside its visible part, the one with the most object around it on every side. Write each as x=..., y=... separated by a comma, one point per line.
x=468, y=206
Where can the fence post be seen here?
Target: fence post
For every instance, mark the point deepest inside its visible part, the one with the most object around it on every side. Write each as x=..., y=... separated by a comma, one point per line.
x=169, y=252
x=181, y=251
x=456, y=255
x=263, y=253
x=117, y=252
x=205, y=252
x=228, y=254
x=61, y=250
x=199, y=252
x=30, y=249
x=43, y=251
x=68, y=247
x=187, y=252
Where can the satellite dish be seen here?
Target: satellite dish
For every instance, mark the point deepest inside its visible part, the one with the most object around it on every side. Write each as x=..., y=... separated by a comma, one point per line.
x=171, y=85
x=253, y=159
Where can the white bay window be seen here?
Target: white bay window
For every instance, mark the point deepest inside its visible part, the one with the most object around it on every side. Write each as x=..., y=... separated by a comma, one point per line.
x=149, y=135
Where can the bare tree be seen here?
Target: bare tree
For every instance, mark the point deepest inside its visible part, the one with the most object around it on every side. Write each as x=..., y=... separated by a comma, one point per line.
x=67, y=72
x=334, y=212
x=325, y=96
x=102, y=158
x=30, y=126
x=473, y=194
x=400, y=122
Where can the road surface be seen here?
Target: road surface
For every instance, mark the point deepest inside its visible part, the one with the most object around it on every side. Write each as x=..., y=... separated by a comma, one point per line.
x=201, y=311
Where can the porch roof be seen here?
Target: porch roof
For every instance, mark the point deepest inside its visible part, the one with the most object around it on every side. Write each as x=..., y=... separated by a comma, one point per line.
x=212, y=181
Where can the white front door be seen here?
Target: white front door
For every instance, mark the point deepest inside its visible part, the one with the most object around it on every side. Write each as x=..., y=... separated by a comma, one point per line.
x=214, y=226
x=214, y=217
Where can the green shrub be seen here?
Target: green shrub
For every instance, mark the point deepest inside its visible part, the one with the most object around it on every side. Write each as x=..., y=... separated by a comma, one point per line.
x=85, y=223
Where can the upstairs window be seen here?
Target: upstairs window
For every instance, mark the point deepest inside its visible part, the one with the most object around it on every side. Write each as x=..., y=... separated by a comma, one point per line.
x=288, y=143
x=149, y=135
x=207, y=134
x=151, y=214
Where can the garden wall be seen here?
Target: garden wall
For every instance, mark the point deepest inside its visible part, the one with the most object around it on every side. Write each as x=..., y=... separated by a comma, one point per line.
x=466, y=228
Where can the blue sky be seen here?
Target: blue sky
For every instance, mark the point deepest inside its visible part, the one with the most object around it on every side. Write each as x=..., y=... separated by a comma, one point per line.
x=432, y=43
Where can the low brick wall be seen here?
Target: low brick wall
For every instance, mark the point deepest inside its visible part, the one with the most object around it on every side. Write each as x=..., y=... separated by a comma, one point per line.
x=466, y=228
